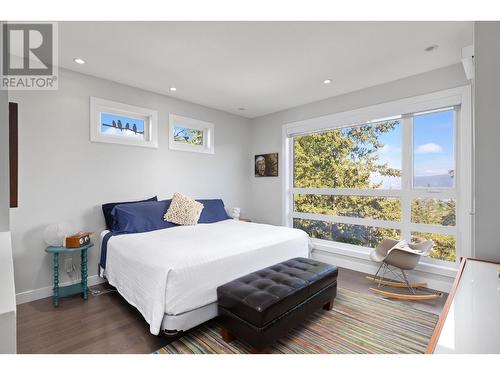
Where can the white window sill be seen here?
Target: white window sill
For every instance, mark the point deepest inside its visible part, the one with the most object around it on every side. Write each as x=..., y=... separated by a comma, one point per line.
x=361, y=252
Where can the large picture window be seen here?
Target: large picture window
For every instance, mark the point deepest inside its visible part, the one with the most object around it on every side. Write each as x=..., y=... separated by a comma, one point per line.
x=357, y=180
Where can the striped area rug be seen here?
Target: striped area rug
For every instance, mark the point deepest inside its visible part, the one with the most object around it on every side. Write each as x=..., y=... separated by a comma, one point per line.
x=358, y=323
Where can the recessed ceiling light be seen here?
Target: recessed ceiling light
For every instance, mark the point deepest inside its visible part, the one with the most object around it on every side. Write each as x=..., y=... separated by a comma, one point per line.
x=327, y=81
x=173, y=89
x=431, y=48
x=79, y=61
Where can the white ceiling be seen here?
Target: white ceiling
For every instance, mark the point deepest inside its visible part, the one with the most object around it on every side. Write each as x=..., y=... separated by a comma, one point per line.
x=261, y=66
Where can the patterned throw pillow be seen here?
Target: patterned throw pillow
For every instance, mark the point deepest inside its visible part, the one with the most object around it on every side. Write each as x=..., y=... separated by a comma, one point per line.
x=183, y=210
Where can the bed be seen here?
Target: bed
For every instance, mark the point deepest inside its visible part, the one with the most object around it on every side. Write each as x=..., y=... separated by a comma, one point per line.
x=171, y=275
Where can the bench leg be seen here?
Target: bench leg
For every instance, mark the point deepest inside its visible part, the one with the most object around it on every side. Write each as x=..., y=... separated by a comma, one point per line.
x=328, y=306
x=226, y=335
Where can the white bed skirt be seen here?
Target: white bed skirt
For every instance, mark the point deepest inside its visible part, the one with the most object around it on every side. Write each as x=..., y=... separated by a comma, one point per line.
x=173, y=324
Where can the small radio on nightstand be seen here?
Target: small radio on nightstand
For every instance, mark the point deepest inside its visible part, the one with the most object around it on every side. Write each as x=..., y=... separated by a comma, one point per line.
x=77, y=240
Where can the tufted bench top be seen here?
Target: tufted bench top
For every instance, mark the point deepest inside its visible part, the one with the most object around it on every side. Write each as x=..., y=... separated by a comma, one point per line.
x=264, y=295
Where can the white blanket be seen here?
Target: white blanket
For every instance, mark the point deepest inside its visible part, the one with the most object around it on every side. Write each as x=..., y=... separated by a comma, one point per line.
x=175, y=270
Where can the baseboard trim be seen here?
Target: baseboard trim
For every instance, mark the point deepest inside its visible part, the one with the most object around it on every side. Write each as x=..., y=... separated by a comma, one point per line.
x=434, y=281
x=33, y=295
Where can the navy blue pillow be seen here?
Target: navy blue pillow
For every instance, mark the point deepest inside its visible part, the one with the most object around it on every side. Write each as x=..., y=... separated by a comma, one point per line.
x=108, y=207
x=213, y=211
x=140, y=217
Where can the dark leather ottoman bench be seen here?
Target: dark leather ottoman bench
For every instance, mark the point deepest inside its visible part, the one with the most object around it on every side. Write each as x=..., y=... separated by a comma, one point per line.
x=265, y=305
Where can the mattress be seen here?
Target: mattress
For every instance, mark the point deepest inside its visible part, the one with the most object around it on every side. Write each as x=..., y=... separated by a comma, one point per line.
x=176, y=270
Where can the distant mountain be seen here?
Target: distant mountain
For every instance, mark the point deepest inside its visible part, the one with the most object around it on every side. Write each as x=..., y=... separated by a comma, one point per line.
x=440, y=180
x=434, y=181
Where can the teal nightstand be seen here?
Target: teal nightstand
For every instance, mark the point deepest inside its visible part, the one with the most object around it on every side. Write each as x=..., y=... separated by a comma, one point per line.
x=80, y=288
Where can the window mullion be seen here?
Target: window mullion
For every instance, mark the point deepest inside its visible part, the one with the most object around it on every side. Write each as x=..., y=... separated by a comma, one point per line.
x=291, y=178
x=348, y=192
x=406, y=176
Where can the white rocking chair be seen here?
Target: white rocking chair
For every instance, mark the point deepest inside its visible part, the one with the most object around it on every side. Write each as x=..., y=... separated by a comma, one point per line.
x=396, y=257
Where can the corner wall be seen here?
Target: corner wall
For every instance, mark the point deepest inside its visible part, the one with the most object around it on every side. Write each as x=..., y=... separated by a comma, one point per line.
x=487, y=139
x=63, y=177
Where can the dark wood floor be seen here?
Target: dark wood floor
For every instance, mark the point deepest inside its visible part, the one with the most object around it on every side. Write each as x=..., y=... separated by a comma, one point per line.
x=106, y=323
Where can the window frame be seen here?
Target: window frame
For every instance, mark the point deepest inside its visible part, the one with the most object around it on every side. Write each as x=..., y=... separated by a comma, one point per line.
x=206, y=127
x=98, y=106
x=460, y=100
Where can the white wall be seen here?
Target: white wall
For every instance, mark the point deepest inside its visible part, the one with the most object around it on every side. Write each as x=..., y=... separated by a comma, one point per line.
x=266, y=193
x=4, y=161
x=65, y=177
x=7, y=300
x=487, y=137
x=7, y=297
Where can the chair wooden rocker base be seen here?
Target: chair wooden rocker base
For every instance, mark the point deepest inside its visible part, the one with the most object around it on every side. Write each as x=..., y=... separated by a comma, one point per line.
x=407, y=297
x=396, y=284
x=396, y=260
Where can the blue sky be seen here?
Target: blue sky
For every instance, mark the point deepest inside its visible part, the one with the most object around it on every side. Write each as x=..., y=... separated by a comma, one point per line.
x=107, y=118
x=432, y=145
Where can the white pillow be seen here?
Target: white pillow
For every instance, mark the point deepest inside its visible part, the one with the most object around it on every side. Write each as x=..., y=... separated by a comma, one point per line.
x=183, y=210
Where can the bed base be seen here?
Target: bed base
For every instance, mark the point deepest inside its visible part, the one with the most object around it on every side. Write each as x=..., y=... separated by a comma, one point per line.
x=174, y=326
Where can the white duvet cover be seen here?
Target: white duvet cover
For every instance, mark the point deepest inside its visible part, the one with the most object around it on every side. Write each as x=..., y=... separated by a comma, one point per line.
x=175, y=270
